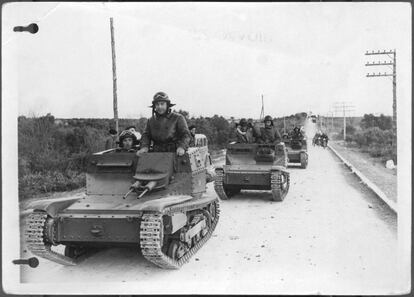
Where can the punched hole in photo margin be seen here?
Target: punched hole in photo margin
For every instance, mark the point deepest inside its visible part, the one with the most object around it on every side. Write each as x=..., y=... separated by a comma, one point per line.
x=32, y=28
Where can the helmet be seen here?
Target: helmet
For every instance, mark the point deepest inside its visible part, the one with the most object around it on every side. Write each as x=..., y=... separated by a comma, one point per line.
x=243, y=122
x=161, y=96
x=268, y=118
x=126, y=134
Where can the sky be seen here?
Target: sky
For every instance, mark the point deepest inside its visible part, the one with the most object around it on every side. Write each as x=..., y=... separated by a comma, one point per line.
x=210, y=58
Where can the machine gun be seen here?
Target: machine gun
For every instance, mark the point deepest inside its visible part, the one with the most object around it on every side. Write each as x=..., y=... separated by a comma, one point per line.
x=148, y=181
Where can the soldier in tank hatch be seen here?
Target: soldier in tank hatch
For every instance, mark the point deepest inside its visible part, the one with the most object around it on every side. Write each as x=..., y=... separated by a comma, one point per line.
x=297, y=134
x=138, y=135
x=269, y=134
x=167, y=130
x=127, y=140
x=241, y=131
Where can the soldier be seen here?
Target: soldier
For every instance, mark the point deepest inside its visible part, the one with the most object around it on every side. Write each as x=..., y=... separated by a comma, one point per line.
x=167, y=130
x=269, y=134
x=127, y=140
x=241, y=131
x=192, y=129
x=315, y=139
x=297, y=134
x=111, y=140
x=325, y=137
x=135, y=132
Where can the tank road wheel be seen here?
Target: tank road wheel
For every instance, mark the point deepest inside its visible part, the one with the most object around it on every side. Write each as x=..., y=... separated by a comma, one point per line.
x=172, y=252
x=74, y=252
x=279, y=184
x=303, y=160
x=176, y=250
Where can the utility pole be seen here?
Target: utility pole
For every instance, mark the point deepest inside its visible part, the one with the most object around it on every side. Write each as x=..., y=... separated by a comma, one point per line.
x=284, y=124
x=345, y=107
x=115, y=99
x=262, y=111
x=392, y=54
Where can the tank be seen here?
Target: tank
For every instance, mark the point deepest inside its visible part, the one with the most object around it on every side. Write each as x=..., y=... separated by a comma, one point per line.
x=154, y=202
x=297, y=151
x=253, y=166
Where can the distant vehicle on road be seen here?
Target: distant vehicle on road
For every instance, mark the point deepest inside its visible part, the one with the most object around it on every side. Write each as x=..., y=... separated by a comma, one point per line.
x=297, y=151
x=253, y=166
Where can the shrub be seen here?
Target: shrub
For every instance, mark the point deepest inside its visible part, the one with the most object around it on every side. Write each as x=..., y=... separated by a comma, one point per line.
x=382, y=122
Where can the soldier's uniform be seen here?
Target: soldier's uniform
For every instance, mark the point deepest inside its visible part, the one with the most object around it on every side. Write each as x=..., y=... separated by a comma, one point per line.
x=167, y=132
x=269, y=134
x=242, y=136
x=297, y=134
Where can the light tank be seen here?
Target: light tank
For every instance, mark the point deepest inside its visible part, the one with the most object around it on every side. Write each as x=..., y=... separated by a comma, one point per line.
x=154, y=202
x=253, y=166
x=297, y=151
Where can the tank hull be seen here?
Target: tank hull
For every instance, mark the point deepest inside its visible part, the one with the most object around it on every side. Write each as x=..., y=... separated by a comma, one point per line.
x=253, y=167
x=169, y=224
x=297, y=152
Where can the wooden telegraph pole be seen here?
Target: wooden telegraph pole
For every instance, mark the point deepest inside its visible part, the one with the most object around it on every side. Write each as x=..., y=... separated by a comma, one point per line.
x=115, y=98
x=345, y=108
x=393, y=63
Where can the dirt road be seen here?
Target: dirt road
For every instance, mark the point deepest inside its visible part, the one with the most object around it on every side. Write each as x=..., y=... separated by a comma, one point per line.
x=329, y=236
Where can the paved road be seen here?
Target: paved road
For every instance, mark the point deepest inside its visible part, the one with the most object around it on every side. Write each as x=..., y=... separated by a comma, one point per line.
x=329, y=236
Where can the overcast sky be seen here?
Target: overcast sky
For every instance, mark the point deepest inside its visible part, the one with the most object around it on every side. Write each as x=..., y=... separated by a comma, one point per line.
x=211, y=58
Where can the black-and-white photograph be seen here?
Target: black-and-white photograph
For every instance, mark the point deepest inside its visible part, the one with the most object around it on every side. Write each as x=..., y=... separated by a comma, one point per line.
x=206, y=148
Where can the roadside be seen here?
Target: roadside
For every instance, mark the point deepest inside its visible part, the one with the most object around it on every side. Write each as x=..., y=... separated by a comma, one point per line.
x=373, y=168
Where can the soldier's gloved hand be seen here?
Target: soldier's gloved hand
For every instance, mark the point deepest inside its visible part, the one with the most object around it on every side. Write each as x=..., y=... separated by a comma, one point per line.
x=180, y=151
x=142, y=151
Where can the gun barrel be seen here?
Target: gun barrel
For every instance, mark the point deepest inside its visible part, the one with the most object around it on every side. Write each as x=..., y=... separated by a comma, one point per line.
x=143, y=193
x=129, y=192
x=148, y=187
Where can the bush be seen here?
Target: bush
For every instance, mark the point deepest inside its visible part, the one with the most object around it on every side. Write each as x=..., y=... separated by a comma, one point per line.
x=376, y=142
x=50, y=181
x=382, y=122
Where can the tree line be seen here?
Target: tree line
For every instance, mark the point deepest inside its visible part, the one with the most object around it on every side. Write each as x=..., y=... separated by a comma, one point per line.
x=53, y=153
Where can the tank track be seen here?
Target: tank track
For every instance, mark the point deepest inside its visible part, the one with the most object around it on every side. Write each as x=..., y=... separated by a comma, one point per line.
x=35, y=239
x=151, y=235
x=277, y=185
x=218, y=184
